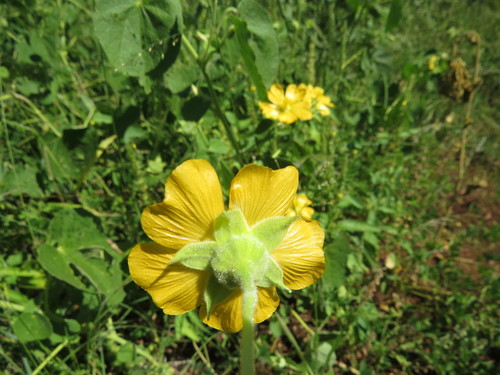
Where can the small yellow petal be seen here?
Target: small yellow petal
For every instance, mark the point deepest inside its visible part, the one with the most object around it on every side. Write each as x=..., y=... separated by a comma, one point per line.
x=303, y=86
x=323, y=111
x=317, y=92
x=300, y=254
x=261, y=193
x=227, y=316
x=193, y=199
x=292, y=93
x=276, y=94
x=302, y=110
x=174, y=288
x=302, y=201
x=269, y=110
x=287, y=117
x=307, y=212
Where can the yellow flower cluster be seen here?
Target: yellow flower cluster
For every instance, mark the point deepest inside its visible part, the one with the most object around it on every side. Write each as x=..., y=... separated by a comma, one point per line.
x=431, y=62
x=301, y=207
x=295, y=103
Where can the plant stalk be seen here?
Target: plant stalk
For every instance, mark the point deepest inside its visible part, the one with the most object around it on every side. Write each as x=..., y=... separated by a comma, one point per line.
x=247, y=335
x=217, y=108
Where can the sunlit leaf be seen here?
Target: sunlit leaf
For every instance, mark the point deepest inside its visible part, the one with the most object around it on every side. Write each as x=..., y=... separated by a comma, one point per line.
x=136, y=34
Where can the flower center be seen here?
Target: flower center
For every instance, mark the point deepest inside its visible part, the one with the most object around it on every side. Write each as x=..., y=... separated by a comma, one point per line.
x=240, y=260
x=240, y=257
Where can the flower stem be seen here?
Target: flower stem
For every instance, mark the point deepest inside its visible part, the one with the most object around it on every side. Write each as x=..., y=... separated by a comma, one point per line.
x=247, y=335
x=217, y=108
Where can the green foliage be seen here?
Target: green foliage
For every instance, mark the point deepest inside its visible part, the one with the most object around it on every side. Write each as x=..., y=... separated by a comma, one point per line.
x=138, y=36
x=99, y=101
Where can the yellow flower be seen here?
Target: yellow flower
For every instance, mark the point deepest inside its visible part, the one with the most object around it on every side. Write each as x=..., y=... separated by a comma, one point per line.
x=318, y=100
x=286, y=106
x=431, y=63
x=301, y=207
x=190, y=217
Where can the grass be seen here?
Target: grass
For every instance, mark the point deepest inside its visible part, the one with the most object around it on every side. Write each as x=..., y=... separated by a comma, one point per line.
x=410, y=206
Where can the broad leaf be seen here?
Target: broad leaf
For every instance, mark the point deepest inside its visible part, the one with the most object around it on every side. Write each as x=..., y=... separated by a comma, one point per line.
x=32, y=326
x=55, y=262
x=135, y=34
x=262, y=41
x=74, y=232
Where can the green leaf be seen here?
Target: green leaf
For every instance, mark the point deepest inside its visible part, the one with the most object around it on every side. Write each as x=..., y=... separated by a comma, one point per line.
x=248, y=57
x=271, y=231
x=215, y=293
x=184, y=327
x=74, y=232
x=181, y=75
x=272, y=277
x=58, y=158
x=102, y=118
x=156, y=166
x=4, y=72
x=32, y=326
x=372, y=239
x=55, y=262
x=217, y=146
x=325, y=355
x=106, y=281
x=20, y=181
x=336, y=263
x=262, y=40
x=196, y=255
x=395, y=14
x=126, y=354
x=358, y=226
x=229, y=223
x=134, y=133
x=348, y=201
x=136, y=34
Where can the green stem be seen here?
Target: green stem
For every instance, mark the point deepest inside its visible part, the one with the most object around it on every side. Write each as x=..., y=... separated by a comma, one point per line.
x=217, y=108
x=218, y=111
x=247, y=335
x=50, y=357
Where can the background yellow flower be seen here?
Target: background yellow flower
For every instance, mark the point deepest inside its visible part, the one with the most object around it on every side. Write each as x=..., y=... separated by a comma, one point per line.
x=286, y=106
x=318, y=100
x=301, y=207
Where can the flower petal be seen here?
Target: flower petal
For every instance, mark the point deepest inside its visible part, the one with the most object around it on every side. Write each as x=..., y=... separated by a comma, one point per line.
x=227, y=316
x=300, y=254
x=174, y=288
x=269, y=110
x=259, y=192
x=193, y=199
x=295, y=93
x=276, y=94
x=267, y=304
x=302, y=110
x=287, y=117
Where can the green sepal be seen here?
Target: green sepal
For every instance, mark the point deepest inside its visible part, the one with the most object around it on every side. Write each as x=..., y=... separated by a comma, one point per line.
x=270, y=232
x=272, y=277
x=215, y=293
x=196, y=255
x=230, y=223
